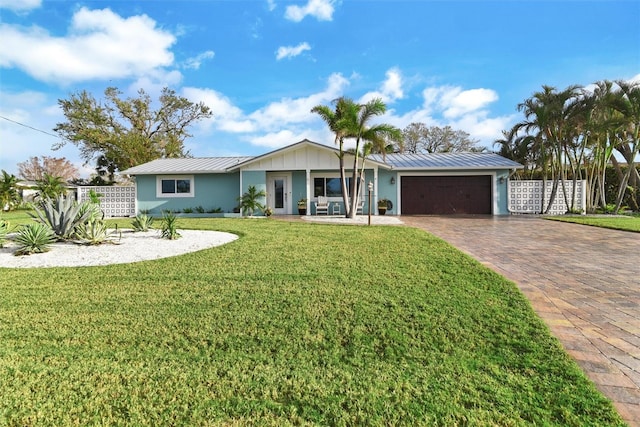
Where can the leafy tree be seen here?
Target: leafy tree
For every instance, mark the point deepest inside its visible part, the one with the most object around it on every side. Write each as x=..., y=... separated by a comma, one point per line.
x=35, y=168
x=50, y=187
x=420, y=138
x=352, y=120
x=9, y=195
x=128, y=132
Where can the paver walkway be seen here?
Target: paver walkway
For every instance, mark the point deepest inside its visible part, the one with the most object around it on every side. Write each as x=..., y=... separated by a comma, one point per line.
x=584, y=282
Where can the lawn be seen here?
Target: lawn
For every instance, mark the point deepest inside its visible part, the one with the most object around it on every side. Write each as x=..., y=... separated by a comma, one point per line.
x=292, y=324
x=625, y=223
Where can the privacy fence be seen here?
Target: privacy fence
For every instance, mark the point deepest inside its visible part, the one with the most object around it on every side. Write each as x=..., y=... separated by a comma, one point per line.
x=527, y=197
x=114, y=200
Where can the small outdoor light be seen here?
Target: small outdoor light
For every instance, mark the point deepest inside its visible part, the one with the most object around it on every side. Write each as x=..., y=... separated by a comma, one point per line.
x=501, y=180
x=370, y=187
x=393, y=180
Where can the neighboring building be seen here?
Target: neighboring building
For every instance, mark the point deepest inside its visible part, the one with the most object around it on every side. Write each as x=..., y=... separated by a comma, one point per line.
x=444, y=183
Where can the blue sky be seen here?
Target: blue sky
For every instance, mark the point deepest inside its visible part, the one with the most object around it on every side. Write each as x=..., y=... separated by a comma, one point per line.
x=261, y=65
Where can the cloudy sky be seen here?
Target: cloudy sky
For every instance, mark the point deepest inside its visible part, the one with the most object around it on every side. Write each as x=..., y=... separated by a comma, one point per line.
x=261, y=65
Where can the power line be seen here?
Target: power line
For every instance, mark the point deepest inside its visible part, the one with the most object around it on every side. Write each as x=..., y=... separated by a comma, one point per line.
x=30, y=127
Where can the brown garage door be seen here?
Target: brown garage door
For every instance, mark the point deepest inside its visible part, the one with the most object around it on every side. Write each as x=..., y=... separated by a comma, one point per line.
x=445, y=195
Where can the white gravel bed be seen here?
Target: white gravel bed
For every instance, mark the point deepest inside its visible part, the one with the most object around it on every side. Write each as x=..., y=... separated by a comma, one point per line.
x=132, y=247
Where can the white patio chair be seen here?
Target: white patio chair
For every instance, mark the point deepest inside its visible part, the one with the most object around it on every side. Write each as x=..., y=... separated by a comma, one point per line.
x=322, y=205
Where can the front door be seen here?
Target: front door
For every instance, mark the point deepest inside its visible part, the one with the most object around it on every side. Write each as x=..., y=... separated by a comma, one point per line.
x=279, y=195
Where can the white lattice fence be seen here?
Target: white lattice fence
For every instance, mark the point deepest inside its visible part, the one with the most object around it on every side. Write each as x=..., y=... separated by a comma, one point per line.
x=526, y=197
x=114, y=200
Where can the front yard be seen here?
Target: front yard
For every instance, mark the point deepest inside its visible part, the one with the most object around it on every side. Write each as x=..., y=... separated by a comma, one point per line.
x=294, y=323
x=618, y=222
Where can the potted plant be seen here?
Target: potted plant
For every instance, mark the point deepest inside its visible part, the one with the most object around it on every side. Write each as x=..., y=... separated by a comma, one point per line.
x=382, y=206
x=302, y=206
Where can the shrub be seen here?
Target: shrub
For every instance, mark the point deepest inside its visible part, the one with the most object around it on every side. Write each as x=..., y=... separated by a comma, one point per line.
x=170, y=226
x=142, y=222
x=62, y=215
x=187, y=210
x=199, y=209
x=34, y=238
x=95, y=232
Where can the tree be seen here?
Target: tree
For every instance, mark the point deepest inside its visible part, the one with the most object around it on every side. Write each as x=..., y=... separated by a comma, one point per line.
x=9, y=195
x=627, y=103
x=128, y=132
x=420, y=138
x=50, y=187
x=250, y=201
x=351, y=120
x=35, y=168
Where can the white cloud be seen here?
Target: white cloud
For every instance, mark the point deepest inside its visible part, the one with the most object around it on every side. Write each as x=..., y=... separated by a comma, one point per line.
x=100, y=45
x=271, y=5
x=390, y=90
x=468, y=101
x=226, y=116
x=195, y=62
x=20, y=6
x=286, y=111
x=322, y=10
x=291, y=51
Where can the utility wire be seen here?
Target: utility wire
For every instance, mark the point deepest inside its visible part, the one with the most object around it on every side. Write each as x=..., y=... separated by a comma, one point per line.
x=31, y=127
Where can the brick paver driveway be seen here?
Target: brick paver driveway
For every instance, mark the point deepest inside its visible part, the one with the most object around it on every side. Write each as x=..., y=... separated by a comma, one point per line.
x=584, y=282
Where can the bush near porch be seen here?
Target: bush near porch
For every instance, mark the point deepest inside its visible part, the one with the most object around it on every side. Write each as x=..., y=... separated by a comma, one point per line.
x=294, y=323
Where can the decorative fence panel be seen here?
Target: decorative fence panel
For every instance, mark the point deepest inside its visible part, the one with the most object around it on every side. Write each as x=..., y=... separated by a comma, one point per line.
x=526, y=197
x=114, y=200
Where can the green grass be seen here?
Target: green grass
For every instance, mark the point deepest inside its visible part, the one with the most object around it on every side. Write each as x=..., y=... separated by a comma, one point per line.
x=292, y=324
x=625, y=223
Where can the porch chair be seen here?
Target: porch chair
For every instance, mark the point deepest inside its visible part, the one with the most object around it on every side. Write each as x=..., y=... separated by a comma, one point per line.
x=322, y=205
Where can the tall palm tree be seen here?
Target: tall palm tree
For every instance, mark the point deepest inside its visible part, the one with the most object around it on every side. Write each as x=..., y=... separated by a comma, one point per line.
x=627, y=103
x=352, y=120
x=334, y=119
x=549, y=116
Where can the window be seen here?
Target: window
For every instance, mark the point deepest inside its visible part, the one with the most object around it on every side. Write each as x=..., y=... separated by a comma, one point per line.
x=174, y=186
x=329, y=186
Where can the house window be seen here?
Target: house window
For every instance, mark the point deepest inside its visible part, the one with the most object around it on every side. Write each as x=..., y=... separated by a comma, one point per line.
x=174, y=186
x=329, y=186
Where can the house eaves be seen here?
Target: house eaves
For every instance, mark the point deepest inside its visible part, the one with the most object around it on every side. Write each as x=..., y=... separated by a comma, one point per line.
x=189, y=165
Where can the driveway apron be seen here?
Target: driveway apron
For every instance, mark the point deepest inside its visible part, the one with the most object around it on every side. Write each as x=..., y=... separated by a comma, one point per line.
x=584, y=282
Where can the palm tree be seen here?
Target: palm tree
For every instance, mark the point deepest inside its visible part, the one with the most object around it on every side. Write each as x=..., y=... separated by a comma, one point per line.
x=50, y=187
x=9, y=195
x=550, y=114
x=334, y=118
x=250, y=201
x=627, y=103
x=351, y=120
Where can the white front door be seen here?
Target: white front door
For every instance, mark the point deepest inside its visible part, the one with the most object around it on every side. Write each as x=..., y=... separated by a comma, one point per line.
x=279, y=194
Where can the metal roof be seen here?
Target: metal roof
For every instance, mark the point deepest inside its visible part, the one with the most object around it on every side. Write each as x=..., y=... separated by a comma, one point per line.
x=447, y=161
x=187, y=165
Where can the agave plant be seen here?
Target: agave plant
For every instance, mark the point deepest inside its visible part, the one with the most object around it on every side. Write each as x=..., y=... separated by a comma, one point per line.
x=62, y=215
x=34, y=238
x=95, y=232
x=142, y=222
x=95, y=213
x=169, y=228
